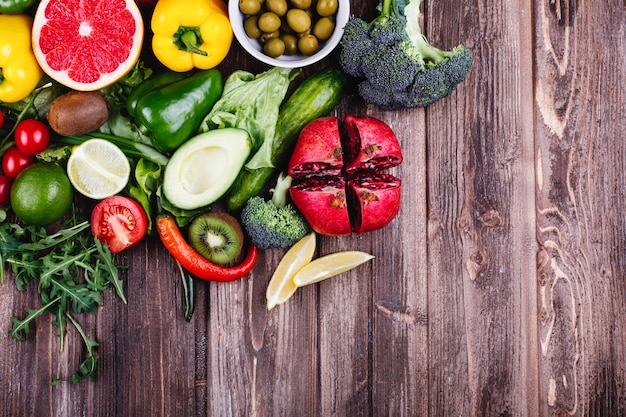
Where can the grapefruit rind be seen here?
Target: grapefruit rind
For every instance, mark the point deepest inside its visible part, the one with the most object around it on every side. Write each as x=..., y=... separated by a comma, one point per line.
x=81, y=54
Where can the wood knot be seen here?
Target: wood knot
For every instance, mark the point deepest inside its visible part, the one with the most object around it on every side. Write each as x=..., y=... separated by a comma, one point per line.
x=606, y=272
x=545, y=272
x=490, y=218
x=559, y=412
x=476, y=263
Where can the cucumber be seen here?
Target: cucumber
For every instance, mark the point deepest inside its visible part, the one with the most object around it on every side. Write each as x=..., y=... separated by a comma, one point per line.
x=315, y=97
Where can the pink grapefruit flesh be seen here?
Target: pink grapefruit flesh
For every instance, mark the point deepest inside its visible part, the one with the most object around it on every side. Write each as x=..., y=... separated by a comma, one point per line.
x=87, y=44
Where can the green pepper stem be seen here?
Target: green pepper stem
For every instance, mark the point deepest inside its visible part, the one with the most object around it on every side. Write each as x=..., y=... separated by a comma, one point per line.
x=188, y=38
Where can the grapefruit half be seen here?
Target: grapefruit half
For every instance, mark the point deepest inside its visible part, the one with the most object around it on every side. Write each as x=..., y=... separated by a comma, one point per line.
x=87, y=44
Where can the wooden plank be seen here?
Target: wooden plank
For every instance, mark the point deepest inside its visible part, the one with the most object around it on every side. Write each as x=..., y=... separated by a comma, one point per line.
x=481, y=284
x=580, y=100
x=399, y=296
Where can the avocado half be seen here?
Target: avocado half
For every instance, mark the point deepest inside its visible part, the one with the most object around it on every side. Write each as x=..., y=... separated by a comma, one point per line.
x=202, y=169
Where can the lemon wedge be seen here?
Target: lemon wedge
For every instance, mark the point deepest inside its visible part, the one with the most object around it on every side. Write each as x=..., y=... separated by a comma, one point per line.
x=281, y=286
x=329, y=266
x=98, y=169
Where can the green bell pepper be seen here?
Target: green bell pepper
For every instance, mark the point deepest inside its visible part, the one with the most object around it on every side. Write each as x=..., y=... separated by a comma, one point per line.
x=152, y=83
x=170, y=107
x=15, y=6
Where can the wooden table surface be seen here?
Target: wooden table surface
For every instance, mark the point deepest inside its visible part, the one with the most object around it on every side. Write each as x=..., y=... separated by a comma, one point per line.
x=499, y=290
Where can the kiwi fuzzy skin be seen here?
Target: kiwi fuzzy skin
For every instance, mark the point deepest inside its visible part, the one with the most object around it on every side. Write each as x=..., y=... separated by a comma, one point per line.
x=217, y=219
x=78, y=112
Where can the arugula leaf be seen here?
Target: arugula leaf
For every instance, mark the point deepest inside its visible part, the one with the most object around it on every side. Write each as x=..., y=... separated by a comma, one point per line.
x=72, y=270
x=87, y=368
x=110, y=270
x=20, y=328
x=48, y=241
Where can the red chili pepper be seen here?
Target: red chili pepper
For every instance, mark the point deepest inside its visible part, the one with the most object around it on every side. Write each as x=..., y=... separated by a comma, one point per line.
x=195, y=263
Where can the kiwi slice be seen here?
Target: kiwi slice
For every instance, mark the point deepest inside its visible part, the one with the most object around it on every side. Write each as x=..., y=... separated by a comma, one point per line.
x=216, y=236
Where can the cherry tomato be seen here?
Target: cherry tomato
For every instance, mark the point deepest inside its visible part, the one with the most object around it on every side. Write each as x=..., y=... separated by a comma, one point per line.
x=1, y=118
x=32, y=136
x=5, y=190
x=14, y=161
x=119, y=221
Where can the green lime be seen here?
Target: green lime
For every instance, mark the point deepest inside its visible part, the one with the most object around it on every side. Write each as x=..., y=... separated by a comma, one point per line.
x=41, y=194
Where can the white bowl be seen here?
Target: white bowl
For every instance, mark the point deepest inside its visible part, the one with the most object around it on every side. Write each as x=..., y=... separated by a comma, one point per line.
x=254, y=48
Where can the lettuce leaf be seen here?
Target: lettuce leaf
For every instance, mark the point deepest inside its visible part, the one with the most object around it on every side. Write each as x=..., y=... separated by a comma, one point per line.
x=252, y=102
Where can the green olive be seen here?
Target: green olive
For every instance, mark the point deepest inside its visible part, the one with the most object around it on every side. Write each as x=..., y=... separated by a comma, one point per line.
x=266, y=37
x=326, y=7
x=277, y=6
x=269, y=22
x=323, y=28
x=291, y=43
x=301, y=4
x=250, y=7
x=251, y=27
x=274, y=47
x=298, y=20
x=308, y=45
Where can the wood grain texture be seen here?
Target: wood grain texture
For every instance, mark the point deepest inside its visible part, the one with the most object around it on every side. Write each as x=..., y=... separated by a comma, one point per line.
x=581, y=194
x=499, y=290
x=481, y=220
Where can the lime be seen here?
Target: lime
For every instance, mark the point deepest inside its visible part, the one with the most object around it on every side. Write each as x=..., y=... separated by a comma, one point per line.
x=41, y=194
x=281, y=286
x=330, y=266
x=98, y=169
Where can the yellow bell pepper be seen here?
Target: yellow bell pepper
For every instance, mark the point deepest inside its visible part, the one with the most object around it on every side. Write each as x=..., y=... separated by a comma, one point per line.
x=191, y=33
x=20, y=73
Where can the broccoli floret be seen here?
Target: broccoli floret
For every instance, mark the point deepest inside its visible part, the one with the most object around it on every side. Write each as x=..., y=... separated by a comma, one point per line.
x=388, y=68
x=400, y=68
x=355, y=42
x=388, y=28
x=274, y=223
x=385, y=99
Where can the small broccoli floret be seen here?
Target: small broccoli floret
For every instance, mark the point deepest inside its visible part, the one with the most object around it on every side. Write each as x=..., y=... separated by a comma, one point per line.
x=436, y=83
x=388, y=28
x=355, y=42
x=274, y=223
x=400, y=68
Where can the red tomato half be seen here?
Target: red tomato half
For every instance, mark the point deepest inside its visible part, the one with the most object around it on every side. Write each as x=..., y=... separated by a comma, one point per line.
x=32, y=136
x=14, y=161
x=119, y=221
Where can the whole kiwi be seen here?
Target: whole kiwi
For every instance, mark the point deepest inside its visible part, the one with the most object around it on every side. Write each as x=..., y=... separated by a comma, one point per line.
x=217, y=236
x=78, y=112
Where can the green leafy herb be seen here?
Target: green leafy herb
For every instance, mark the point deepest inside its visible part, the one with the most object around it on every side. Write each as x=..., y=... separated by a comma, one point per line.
x=72, y=270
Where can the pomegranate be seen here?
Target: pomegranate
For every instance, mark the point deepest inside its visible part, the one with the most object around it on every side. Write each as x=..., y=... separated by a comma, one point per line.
x=339, y=185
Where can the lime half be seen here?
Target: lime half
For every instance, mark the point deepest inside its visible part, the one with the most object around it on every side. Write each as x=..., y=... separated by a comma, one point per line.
x=98, y=169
